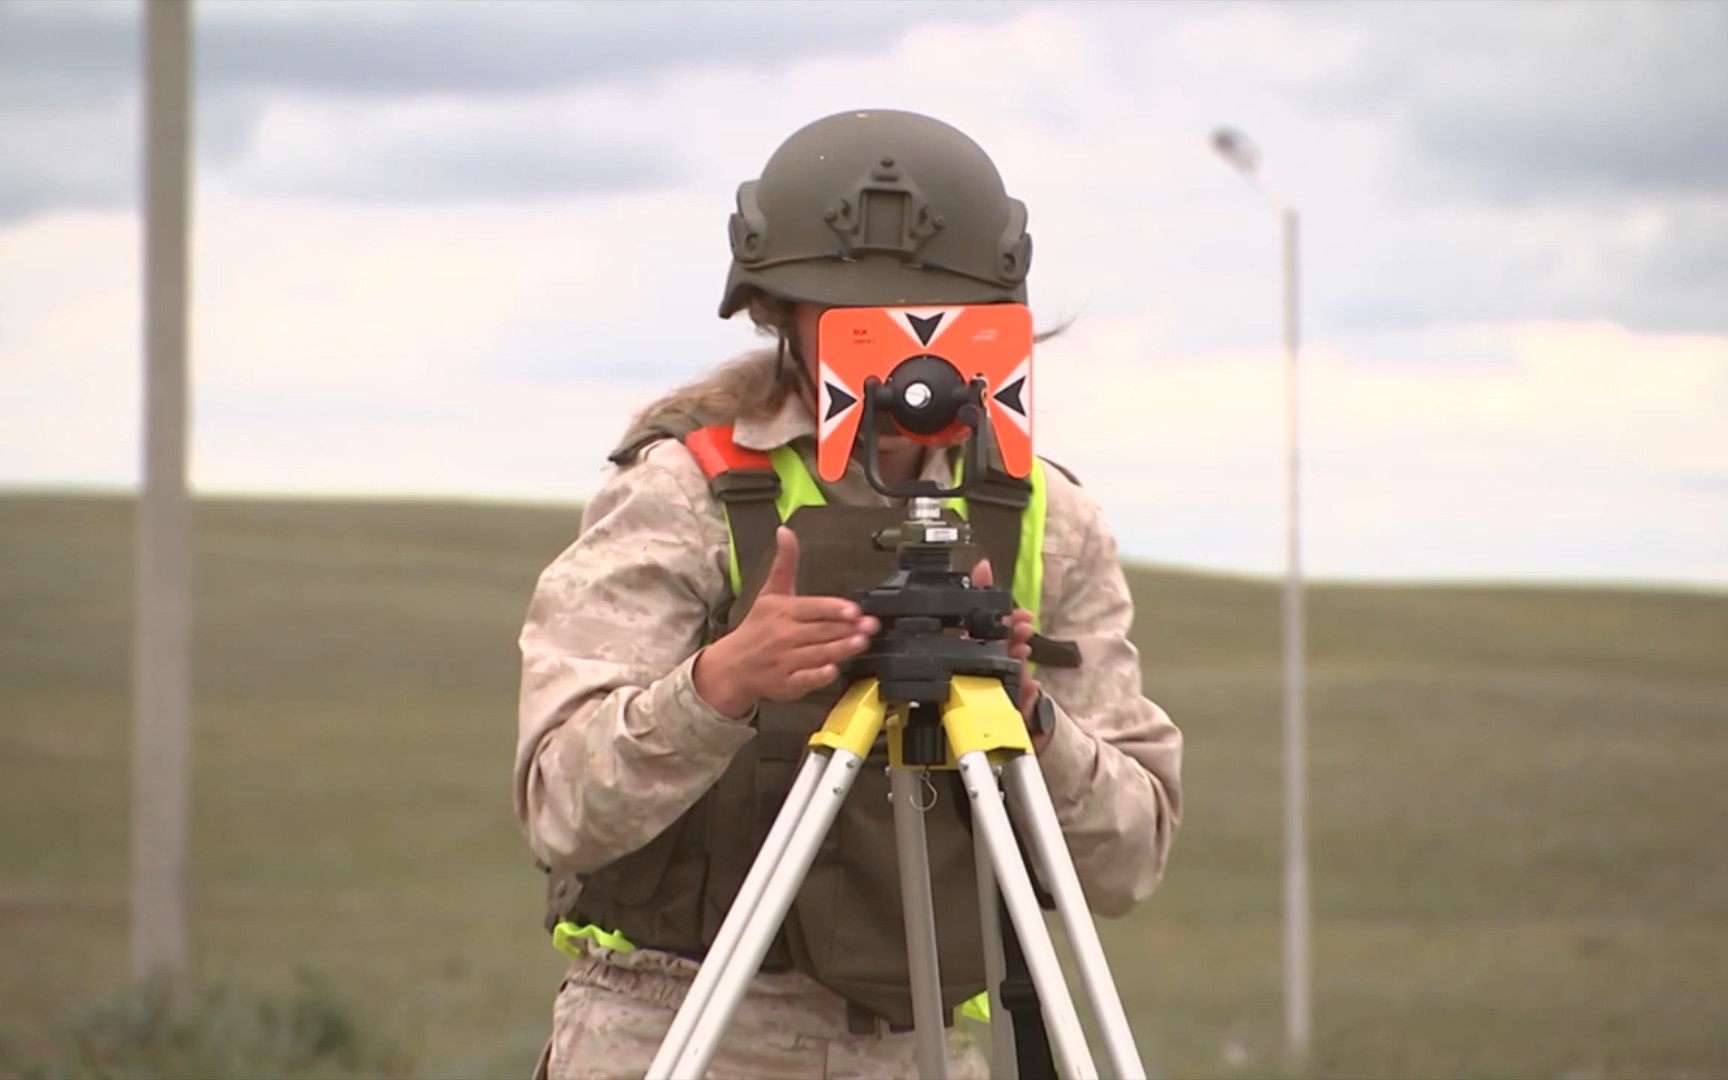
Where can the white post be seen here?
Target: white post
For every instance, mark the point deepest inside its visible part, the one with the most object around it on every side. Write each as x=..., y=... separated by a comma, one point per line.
x=1298, y=1007
x=163, y=616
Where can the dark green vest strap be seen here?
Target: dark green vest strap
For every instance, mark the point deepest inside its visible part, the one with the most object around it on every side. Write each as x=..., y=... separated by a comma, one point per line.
x=748, y=496
x=996, y=504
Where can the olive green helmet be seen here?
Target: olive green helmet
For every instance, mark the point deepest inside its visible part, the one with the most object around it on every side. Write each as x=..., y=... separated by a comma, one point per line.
x=877, y=208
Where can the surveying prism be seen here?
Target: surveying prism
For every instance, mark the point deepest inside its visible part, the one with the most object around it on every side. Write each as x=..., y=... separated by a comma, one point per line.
x=938, y=682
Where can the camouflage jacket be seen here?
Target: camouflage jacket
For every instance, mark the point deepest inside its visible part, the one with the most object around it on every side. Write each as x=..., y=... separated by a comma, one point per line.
x=614, y=743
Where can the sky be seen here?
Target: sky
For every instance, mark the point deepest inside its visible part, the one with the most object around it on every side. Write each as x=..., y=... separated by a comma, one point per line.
x=446, y=249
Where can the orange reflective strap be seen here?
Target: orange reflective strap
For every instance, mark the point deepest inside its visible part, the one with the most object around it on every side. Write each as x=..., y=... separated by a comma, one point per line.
x=716, y=453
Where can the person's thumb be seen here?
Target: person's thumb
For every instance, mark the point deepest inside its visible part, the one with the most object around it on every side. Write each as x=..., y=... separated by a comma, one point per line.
x=982, y=576
x=783, y=575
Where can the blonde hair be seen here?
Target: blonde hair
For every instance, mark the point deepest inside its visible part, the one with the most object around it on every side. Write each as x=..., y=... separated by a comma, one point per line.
x=755, y=384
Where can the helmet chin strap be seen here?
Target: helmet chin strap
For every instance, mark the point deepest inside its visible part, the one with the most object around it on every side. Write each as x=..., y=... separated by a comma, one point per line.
x=789, y=351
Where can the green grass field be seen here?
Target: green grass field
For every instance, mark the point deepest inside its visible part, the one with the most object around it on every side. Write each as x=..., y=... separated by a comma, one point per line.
x=1519, y=798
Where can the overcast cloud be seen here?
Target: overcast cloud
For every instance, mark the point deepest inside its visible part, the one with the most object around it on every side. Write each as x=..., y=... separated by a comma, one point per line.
x=446, y=247
x=1534, y=102
x=69, y=75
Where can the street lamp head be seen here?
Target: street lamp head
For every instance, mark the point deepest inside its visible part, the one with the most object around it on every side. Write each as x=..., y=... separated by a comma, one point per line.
x=1243, y=156
x=1235, y=148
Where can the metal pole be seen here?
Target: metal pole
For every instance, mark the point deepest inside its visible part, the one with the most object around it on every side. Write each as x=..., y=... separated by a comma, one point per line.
x=163, y=618
x=1298, y=1010
x=1242, y=155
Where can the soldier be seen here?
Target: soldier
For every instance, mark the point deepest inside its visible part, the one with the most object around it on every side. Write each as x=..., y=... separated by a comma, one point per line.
x=679, y=653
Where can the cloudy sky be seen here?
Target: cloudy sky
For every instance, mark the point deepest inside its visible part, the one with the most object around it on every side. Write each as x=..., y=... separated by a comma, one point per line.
x=444, y=248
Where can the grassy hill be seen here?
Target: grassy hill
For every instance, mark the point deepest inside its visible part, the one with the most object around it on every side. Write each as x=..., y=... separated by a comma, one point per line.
x=1519, y=801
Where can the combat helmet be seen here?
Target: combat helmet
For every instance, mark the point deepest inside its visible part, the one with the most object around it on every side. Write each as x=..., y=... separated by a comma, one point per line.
x=874, y=208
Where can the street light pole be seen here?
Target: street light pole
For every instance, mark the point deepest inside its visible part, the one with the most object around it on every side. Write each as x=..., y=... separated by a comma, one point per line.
x=163, y=618
x=1298, y=1010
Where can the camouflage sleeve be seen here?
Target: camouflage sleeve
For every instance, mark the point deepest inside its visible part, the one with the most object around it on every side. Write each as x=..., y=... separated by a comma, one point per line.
x=1113, y=763
x=613, y=741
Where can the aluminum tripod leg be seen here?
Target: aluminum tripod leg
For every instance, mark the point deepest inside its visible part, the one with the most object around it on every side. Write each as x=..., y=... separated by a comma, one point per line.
x=1004, y=1065
x=732, y=929
x=920, y=915
x=748, y=930
x=992, y=828
x=1031, y=798
x=764, y=921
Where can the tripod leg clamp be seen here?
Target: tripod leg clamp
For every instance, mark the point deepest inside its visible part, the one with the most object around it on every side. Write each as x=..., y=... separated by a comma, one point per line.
x=1019, y=994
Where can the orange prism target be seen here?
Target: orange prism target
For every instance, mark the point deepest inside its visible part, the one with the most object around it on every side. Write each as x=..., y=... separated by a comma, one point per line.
x=914, y=349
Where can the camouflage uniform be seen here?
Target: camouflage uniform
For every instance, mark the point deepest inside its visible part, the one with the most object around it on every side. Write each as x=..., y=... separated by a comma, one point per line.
x=614, y=744
x=613, y=1011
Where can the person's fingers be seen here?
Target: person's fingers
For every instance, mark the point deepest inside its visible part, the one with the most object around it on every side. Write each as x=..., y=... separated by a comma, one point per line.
x=823, y=654
x=818, y=609
x=810, y=680
x=782, y=577
x=982, y=575
x=1029, y=690
x=798, y=633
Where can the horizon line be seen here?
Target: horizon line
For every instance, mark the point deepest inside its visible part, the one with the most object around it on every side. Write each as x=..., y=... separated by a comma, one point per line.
x=1267, y=578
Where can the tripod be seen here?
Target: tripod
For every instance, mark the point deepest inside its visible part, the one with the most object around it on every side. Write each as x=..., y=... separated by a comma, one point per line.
x=946, y=702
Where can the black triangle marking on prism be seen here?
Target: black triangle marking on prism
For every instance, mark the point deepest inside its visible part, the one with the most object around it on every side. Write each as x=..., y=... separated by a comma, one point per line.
x=1010, y=395
x=838, y=401
x=925, y=328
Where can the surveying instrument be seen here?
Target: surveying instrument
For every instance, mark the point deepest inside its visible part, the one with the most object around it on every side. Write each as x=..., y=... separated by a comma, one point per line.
x=939, y=683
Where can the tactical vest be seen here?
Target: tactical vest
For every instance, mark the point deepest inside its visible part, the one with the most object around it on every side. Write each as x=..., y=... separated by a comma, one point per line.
x=845, y=928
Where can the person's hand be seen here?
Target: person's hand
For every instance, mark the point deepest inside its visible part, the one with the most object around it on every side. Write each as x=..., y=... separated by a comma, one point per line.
x=787, y=646
x=1020, y=648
